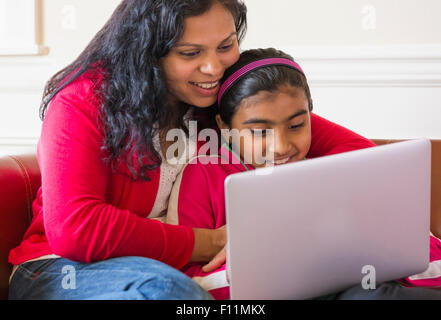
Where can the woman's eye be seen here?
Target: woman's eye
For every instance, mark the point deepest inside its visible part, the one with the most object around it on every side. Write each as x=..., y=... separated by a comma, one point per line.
x=189, y=53
x=226, y=47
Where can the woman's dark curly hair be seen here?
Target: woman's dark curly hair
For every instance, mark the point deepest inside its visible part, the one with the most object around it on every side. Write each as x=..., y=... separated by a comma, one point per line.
x=127, y=53
x=268, y=78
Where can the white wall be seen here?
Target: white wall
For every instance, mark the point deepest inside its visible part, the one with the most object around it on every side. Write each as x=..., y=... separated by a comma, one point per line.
x=68, y=27
x=347, y=22
x=373, y=66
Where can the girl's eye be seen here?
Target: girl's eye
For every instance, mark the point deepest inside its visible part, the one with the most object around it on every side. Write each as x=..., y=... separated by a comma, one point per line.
x=297, y=126
x=260, y=132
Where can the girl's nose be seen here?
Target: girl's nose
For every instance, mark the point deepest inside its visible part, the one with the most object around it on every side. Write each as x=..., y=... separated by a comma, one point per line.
x=282, y=146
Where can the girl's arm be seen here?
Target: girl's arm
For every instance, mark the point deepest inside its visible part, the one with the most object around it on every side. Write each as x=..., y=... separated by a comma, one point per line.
x=328, y=138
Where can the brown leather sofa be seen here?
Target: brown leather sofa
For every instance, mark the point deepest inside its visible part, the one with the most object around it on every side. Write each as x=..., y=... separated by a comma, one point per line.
x=19, y=183
x=20, y=180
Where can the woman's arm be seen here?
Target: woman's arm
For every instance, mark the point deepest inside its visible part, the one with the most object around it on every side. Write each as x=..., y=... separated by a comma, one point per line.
x=328, y=138
x=79, y=224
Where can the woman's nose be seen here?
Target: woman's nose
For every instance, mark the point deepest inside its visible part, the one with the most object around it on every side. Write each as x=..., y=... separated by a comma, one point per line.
x=212, y=66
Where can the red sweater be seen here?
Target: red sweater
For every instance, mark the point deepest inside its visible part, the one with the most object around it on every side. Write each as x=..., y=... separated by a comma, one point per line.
x=86, y=212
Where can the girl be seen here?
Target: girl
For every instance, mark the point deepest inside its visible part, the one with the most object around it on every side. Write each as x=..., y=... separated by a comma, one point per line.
x=266, y=97
x=154, y=66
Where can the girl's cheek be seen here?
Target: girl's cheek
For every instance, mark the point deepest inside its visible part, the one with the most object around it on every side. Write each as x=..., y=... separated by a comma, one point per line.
x=248, y=148
x=260, y=151
x=306, y=143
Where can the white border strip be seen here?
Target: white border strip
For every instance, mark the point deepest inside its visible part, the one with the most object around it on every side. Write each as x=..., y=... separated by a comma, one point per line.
x=213, y=281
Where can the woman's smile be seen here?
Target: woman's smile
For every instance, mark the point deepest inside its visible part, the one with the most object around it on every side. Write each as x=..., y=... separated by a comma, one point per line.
x=206, y=89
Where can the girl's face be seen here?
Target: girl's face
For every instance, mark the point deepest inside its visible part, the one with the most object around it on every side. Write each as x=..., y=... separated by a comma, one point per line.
x=195, y=65
x=275, y=127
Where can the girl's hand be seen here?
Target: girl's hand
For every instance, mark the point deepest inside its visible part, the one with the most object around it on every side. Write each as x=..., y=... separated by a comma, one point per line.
x=209, y=245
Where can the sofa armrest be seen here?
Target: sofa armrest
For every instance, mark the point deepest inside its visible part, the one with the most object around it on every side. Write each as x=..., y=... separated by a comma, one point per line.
x=435, y=199
x=19, y=182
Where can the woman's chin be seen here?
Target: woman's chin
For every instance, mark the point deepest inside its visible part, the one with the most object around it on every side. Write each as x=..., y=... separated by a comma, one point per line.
x=200, y=101
x=203, y=103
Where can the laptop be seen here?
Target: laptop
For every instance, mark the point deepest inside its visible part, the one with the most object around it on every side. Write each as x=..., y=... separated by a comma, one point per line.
x=319, y=226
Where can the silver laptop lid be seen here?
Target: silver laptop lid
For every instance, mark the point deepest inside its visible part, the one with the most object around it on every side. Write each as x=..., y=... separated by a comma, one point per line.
x=307, y=229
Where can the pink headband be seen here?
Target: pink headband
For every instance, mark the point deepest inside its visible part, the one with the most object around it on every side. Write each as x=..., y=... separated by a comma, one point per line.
x=252, y=66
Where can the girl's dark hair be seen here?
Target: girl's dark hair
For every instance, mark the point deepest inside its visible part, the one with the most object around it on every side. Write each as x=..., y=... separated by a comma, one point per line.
x=267, y=78
x=126, y=54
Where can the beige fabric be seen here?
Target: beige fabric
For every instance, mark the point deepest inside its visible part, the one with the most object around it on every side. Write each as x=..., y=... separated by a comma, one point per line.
x=168, y=174
x=172, y=212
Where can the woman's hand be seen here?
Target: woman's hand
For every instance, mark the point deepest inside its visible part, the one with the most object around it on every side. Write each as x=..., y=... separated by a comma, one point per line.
x=216, y=262
x=209, y=245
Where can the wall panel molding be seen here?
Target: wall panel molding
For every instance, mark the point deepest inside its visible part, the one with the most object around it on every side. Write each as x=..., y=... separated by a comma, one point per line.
x=18, y=145
x=370, y=65
x=26, y=74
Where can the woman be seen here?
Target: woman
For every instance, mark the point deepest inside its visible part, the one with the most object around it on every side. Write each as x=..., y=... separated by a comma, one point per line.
x=154, y=66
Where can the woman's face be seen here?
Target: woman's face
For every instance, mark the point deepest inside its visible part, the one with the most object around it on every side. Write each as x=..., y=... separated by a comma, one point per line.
x=275, y=127
x=195, y=65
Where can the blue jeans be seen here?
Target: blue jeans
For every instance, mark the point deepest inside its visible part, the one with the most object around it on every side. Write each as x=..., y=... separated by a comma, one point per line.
x=125, y=278
x=390, y=290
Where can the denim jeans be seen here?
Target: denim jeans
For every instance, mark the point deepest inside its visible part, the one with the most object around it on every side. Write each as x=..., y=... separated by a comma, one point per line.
x=390, y=290
x=125, y=278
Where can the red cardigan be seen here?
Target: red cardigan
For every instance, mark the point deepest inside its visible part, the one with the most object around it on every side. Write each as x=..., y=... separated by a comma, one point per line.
x=85, y=212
